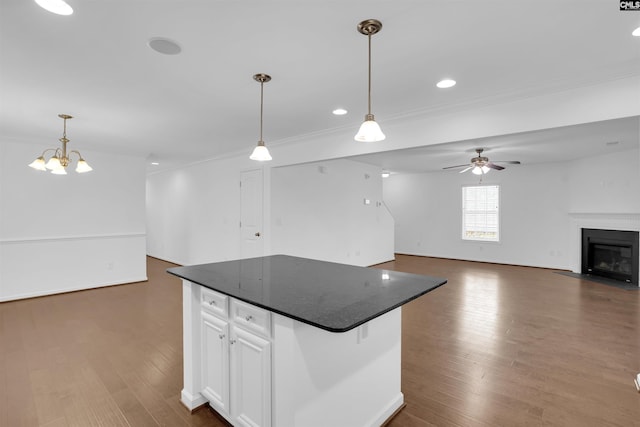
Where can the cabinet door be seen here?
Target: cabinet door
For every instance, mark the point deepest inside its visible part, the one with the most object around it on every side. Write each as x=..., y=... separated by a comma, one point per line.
x=250, y=379
x=215, y=362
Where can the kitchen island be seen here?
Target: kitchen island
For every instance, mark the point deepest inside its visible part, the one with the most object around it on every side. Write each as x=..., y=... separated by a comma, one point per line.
x=294, y=342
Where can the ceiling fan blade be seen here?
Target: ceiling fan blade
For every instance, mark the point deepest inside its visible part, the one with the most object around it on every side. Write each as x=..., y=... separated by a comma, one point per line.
x=466, y=169
x=459, y=166
x=509, y=162
x=494, y=166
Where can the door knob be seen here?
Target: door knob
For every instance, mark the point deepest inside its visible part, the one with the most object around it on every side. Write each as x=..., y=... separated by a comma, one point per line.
x=258, y=234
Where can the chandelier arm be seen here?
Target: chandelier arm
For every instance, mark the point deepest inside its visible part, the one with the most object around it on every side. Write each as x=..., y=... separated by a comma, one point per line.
x=77, y=152
x=48, y=149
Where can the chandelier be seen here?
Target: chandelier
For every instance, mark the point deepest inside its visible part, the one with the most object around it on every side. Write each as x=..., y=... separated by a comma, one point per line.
x=58, y=163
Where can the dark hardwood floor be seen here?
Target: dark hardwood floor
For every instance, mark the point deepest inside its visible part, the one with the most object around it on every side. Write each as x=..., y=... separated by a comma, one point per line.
x=496, y=346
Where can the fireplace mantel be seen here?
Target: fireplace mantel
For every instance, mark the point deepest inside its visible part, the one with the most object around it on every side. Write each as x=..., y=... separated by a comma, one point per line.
x=604, y=221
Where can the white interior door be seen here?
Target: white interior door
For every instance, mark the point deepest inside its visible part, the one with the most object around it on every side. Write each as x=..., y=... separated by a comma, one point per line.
x=251, y=195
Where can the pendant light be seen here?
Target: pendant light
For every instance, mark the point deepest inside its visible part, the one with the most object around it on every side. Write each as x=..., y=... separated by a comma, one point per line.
x=260, y=153
x=58, y=163
x=369, y=130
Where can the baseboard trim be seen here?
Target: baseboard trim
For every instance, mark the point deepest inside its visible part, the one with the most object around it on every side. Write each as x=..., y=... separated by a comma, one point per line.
x=35, y=240
x=192, y=403
x=387, y=414
x=73, y=289
x=482, y=262
x=177, y=264
x=396, y=412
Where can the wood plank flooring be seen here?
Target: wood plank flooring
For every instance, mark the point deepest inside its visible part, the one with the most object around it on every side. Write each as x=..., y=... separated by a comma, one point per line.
x=515, y=346
x=496, y=346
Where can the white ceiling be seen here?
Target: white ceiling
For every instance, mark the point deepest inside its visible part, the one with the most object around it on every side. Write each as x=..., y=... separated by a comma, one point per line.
x=127, y=98
x=549, y=145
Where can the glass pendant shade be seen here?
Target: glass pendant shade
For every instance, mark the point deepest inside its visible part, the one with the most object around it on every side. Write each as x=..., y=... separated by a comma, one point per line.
x=53, y=163
x=83, y=166
x=369, y=131
x=38, y=164
x=59, y=171
x=480, y=170
x=260, y=153
x=59, y=7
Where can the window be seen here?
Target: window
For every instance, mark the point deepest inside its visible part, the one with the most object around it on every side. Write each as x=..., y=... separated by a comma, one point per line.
x=480, y=213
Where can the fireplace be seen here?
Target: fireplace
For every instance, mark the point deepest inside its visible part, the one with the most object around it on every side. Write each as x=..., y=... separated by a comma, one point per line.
x=611, y=253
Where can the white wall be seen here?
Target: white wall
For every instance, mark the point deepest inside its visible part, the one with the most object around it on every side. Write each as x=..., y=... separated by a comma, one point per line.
x=188, y=226
x=536, y=203
x=606, y=184
x=318, y=211
x=64, y=233
x=193, y=213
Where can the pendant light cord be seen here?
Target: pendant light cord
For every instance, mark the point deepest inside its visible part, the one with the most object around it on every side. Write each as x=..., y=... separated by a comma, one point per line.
x=261, y=106
x=369, y=90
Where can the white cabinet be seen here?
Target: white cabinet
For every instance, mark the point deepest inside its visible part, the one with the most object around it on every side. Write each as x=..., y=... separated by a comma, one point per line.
x=236, y=359
x=250, y=379
x=260, y=368
x=215, y=361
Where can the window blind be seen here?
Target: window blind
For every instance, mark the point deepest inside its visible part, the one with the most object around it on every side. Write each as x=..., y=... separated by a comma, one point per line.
x=480, y=213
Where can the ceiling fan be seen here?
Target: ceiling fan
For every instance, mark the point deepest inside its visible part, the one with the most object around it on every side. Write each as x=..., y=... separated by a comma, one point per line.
x=481, y=165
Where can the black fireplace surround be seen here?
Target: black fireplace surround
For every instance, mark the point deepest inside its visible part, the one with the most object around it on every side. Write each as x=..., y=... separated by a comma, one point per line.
x=611, y=253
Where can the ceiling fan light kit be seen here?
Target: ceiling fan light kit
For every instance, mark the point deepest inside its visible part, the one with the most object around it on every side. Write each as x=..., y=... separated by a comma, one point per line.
x=480, y=165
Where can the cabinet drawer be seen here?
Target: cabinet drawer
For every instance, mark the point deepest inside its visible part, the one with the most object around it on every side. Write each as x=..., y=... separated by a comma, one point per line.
x=215, y=302
x=250, y=317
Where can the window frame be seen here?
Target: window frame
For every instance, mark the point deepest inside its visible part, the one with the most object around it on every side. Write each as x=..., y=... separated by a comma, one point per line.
x=464, y=212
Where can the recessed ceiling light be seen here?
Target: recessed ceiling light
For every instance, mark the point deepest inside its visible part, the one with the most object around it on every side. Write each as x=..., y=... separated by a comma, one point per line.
x=164, y=46
x=610, y=143
x=155, y=163
x=636, y=32
x=446, y=83
x=386, y=174
x=59, y=7
x=340, y=112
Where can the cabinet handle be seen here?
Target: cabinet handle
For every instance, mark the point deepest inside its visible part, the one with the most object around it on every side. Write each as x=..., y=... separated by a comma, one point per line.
x=232, y=341
x=212, y=302
x=221, y=336
x=249, y=318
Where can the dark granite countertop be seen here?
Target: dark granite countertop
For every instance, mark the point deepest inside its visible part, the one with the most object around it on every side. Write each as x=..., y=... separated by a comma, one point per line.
x=334, y=297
